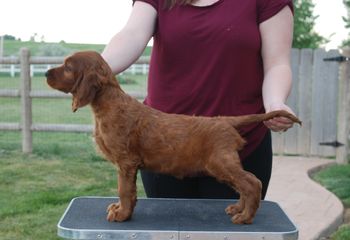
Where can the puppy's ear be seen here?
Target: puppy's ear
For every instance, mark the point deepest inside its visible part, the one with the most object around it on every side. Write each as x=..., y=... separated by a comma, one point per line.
x=85, y=91
x=103, y=72
x=90, y=82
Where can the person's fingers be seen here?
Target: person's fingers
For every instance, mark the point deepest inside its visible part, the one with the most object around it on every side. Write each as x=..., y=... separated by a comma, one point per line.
x=279, y=124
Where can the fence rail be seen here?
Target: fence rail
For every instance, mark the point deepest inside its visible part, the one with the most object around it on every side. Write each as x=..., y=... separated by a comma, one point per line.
x=50, y=94
x=39, y=65
x=320, y=97
x=26, y=94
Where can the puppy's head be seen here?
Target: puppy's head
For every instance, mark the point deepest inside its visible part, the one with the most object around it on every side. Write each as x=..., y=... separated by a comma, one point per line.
x=82, y=74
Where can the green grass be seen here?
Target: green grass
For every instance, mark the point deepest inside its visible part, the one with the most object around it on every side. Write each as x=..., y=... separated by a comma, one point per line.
x=12, y=47
x=35, y=189
x=138, y=82
x=53, y=110
x=343, y=233
x=337, y=179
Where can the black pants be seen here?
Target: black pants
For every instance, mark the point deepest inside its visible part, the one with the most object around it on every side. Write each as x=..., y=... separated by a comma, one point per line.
x=164, y=186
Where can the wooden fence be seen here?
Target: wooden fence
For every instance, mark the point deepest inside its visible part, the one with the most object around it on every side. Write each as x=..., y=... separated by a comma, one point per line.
x=320, y=97
x=37, y=69
x=26, y=94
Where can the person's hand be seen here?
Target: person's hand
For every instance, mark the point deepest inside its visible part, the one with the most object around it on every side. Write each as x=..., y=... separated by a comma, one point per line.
x=279, y=124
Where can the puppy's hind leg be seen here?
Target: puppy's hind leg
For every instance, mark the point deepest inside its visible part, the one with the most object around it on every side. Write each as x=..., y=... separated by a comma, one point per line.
x=123, y=210
x=251, y=191
x=227, y=168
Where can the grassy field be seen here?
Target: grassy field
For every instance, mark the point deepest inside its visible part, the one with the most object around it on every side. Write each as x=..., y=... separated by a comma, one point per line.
x=12, y=47
x=337, y=179
x=54, y=110
x=35, y=189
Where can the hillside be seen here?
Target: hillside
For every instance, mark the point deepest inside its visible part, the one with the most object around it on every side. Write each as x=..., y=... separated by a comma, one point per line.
x=12, y=48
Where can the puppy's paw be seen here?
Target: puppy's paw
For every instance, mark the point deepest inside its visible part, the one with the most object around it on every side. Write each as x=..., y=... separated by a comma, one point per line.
x=116, y=213
x=241, y=218
x=233, y=209
x=113, y=207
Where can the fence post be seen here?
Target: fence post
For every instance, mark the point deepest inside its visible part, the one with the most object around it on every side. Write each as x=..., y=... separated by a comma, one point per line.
x=13, y=70
x=26, y=101
x=31, y=67
x=343, y=110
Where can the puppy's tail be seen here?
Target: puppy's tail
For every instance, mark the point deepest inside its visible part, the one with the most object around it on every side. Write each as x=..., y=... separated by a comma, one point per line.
x=239, y=121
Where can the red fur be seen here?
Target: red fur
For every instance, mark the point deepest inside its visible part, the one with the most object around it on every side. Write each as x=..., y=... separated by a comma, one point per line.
x=133, y=136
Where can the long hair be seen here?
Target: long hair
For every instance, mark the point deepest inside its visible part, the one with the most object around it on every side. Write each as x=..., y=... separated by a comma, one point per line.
x=168, y=4
x=171, y=3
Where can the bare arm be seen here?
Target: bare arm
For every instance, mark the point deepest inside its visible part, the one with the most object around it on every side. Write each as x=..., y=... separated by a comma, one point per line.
x=128, y=44
x=277, y=36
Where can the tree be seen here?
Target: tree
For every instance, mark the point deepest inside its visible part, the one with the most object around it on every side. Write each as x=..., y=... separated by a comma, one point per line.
x=33, y=37
x=9, y=37
x=346, y=43
x=304, y=23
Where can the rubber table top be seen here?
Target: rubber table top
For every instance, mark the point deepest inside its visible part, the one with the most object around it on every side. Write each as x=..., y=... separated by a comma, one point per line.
x=190, y=219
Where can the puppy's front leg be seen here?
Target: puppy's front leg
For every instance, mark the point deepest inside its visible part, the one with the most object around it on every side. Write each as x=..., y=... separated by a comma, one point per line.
x=123, y=210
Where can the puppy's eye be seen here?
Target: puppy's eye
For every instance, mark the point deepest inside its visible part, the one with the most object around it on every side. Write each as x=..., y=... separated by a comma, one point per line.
x=67, y=68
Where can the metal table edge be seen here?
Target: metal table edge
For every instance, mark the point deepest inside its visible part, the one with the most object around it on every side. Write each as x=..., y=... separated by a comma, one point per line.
x=201, y=235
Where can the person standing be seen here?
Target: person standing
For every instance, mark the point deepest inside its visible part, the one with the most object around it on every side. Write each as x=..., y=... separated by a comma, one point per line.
x=212, y=58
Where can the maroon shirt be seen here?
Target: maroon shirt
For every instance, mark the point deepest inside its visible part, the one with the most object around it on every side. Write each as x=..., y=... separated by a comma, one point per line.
x=206, y=61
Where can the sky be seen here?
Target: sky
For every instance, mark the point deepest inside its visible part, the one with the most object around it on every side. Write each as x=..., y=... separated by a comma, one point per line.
x=96, y=21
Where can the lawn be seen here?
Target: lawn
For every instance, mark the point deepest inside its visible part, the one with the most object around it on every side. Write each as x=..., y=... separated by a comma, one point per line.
x=54, y=110
x=35, y=189
x=337, y=179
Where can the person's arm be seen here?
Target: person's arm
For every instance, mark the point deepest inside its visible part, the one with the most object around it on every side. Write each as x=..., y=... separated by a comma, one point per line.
x=277, y=36
x=128, y=44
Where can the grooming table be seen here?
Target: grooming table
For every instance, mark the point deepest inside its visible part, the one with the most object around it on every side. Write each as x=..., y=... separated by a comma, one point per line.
x=172, y=219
